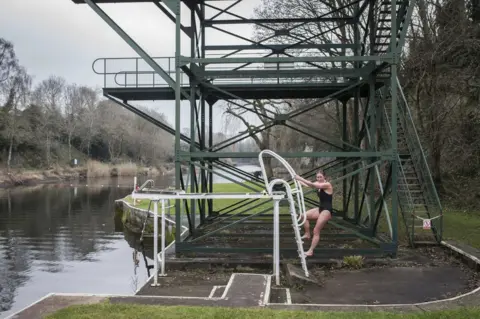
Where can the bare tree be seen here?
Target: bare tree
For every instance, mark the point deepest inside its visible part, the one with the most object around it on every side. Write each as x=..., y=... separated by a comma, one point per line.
x=17, y=90
x=49, y=95
x=8, y=60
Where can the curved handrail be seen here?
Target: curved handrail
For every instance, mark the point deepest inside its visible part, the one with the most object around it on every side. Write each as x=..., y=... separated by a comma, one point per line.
x=147, y=182
x=298, y=186
x=289, y=194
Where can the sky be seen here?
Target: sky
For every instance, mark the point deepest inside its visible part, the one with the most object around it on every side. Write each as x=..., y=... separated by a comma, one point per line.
x=59, y=37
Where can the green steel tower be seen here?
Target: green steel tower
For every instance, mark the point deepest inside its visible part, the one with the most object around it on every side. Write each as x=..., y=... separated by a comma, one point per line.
x=383, y=171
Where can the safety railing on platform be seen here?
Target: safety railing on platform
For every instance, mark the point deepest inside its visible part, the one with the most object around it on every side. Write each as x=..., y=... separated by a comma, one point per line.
x=134, y=72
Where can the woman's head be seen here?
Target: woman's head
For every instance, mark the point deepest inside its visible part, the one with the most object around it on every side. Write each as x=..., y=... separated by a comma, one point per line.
x=321, y=177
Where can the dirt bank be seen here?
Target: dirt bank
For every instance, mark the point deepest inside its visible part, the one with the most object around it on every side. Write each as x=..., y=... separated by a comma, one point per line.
x=19, y=177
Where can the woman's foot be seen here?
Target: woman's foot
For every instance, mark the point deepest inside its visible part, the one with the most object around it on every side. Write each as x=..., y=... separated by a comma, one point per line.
x=309, y=253
x=306, y=236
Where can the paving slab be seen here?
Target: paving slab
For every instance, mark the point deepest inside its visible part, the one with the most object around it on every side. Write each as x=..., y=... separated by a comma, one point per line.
x=247, y=290
x=191, y=283
x=397, y=285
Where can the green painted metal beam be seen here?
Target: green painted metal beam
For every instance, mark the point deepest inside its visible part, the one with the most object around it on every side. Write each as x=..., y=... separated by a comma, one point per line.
x=187, y=30
x=381, y=251
x=378, y=154
x=280, y=47
x=293, y=73
x=280, y=20
x=384, y=58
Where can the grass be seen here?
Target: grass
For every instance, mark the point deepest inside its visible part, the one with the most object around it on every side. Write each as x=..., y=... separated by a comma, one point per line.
x=354, y=262
x=218, y=204
x=120, y=311
x=97, y=169
x=462, y=226
x=458, y=225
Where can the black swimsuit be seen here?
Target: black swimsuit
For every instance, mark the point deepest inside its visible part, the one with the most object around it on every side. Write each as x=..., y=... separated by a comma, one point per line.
x=325, y=201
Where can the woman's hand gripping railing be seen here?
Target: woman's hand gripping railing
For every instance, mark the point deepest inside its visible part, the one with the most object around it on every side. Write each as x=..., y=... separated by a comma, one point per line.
x=298, y=187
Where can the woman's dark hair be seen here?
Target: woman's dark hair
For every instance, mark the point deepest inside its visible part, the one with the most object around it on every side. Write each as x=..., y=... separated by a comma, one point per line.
x=323, y=173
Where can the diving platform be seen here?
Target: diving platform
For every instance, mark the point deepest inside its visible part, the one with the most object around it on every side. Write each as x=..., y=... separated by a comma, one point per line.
x=346, y=59
x=254, y=91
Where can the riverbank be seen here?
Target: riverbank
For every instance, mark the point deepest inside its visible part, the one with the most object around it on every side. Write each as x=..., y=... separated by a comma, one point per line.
x=93, y=169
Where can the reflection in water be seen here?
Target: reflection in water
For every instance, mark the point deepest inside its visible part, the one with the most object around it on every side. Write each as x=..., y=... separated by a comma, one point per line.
x=65, y=239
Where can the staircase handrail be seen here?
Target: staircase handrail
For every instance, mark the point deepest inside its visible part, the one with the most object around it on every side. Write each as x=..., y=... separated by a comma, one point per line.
x=410, y=117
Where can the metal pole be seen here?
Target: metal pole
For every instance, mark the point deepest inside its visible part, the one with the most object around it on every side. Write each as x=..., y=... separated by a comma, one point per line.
x=394, y=97
x=155, y=243
x=276, y=241
x=178, y=172
x=163, y=240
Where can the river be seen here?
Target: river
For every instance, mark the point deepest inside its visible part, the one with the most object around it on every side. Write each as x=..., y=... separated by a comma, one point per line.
x=63, y=238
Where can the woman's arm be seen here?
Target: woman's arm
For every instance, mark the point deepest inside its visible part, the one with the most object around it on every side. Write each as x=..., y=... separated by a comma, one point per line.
x=302, y=183
x=311, y=184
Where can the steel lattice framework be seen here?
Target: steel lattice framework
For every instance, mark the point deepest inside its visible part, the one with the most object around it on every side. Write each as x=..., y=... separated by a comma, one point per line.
x=383, y=169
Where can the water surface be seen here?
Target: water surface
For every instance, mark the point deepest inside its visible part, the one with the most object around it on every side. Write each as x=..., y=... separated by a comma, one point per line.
x=64, y=238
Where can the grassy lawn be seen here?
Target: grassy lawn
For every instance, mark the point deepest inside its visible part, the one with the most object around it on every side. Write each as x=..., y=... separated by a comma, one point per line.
x=219, y=204
x=118, y=311
x=458, y=225
x=462, y=226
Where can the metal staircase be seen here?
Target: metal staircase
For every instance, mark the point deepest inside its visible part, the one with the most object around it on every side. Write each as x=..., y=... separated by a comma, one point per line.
x=384, y=19
x=417, y=195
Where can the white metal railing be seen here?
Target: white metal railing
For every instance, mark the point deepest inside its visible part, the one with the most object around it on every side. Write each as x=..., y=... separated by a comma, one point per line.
x=276, y=210
x=163, y=195
x=298, y=187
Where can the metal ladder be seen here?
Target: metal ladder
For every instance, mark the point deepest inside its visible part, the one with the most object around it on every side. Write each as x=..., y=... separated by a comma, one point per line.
x=297, y=190
x=296, y=230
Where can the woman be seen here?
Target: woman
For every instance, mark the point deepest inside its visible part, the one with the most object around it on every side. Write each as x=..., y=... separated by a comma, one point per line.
x=322, y=213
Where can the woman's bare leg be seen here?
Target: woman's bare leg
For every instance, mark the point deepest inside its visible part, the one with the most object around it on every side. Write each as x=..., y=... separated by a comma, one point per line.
x=312, y=214
x=322, y=220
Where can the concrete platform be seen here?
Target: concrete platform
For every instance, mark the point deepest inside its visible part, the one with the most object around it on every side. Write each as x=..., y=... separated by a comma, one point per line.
x=399, y=285
x=434, y=283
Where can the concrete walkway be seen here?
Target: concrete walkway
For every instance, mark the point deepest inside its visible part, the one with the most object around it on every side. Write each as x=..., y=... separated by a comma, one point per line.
x=255, y=290
x=242, y=290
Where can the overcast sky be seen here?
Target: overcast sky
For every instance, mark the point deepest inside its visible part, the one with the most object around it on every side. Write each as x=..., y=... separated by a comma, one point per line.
x=58, y=37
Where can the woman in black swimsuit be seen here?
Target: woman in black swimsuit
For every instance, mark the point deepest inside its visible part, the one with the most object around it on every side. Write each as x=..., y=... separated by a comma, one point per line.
x=322, y=213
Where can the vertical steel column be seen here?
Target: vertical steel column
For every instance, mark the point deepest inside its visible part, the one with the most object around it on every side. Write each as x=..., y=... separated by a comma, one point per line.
x=372, y=146
x=393, y=83
x=345, y=148
x=203, y=174
x=356, y=105
x=193, y=105
x=178, y=170
x=210, y=167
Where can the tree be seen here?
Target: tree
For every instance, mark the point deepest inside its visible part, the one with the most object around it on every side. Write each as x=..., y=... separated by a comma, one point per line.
x=49, y=95
x=8, y=60
x=17, y=90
